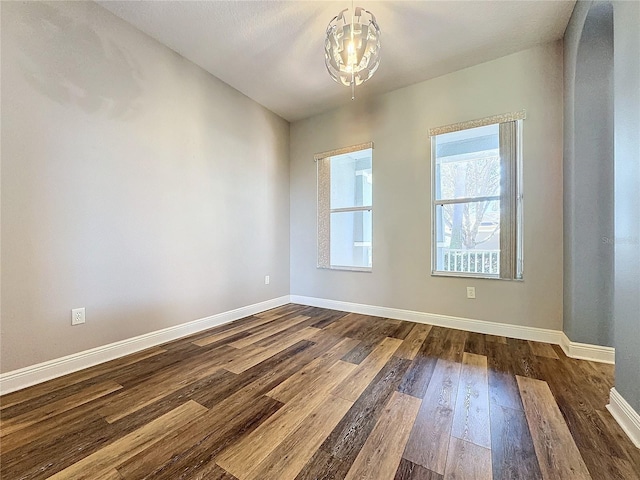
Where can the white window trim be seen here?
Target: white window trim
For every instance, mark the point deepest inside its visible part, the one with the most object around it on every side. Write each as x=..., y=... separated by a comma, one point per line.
x=324, y=210
x=518, y=273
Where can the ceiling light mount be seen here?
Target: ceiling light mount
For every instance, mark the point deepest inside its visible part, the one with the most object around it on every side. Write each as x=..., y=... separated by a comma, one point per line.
x=352, y=47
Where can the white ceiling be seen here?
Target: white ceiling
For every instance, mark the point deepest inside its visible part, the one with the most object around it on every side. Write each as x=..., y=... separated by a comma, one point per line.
x=273, y=51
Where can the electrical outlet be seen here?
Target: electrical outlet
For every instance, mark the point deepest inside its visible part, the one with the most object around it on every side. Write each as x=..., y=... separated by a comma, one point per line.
x=266, y=280
x=77, y=316
x=471, y=292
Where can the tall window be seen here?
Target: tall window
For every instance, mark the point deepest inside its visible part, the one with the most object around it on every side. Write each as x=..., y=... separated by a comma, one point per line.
x=345, y=188
x=477, y=200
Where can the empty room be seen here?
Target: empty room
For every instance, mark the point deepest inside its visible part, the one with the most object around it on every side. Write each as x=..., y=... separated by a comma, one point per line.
x=320, y=240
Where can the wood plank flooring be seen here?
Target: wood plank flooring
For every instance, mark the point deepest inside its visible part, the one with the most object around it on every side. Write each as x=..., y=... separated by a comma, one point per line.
x=303, y=393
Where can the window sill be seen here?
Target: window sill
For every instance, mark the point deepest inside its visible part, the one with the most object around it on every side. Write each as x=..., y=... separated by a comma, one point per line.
x=348, y=269
x=474, y=276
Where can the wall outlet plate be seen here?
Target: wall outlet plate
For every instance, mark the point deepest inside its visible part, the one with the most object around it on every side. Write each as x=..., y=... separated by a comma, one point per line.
x=77, y=316
x=266, y=279
x=471, y=292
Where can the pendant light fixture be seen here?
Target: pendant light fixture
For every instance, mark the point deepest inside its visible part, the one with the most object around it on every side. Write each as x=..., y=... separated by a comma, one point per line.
x=352, y=47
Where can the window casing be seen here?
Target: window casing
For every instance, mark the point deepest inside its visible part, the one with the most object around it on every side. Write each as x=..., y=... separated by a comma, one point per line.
x=345, y=208
x=477, y=198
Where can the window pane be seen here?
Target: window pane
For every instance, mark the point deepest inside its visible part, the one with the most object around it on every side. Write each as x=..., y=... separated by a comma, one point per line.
x=351, y=179
x=468, y=237
x=351, y=239
x=468, y=163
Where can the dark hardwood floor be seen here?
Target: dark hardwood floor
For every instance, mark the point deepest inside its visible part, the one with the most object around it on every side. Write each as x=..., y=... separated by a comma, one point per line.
x=306, y=393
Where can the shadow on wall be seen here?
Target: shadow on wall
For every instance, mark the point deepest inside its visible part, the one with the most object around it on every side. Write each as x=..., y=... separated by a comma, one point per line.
x=68, y=61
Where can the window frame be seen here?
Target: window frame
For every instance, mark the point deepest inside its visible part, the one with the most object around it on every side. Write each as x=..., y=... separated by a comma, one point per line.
x=324, y=210
x=517, y=270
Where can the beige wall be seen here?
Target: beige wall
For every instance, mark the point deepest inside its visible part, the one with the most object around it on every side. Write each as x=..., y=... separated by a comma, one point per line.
x=134, y=184
x=398, y=123
x=140, y=187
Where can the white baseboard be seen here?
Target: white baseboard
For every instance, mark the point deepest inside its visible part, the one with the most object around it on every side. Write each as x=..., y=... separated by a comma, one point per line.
x=468, y=324
x=25, y=377
x=625, y=415
x=585, y=351
x=595, y=353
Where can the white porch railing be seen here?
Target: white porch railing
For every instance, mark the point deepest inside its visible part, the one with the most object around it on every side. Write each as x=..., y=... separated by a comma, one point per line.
x=471, y=261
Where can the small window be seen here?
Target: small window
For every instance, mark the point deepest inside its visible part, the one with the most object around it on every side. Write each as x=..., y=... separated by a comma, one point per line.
x=345, y=208
x=477, y=202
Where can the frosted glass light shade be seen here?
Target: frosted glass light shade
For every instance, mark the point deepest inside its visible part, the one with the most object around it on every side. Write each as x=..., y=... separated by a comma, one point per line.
x=352, y=47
